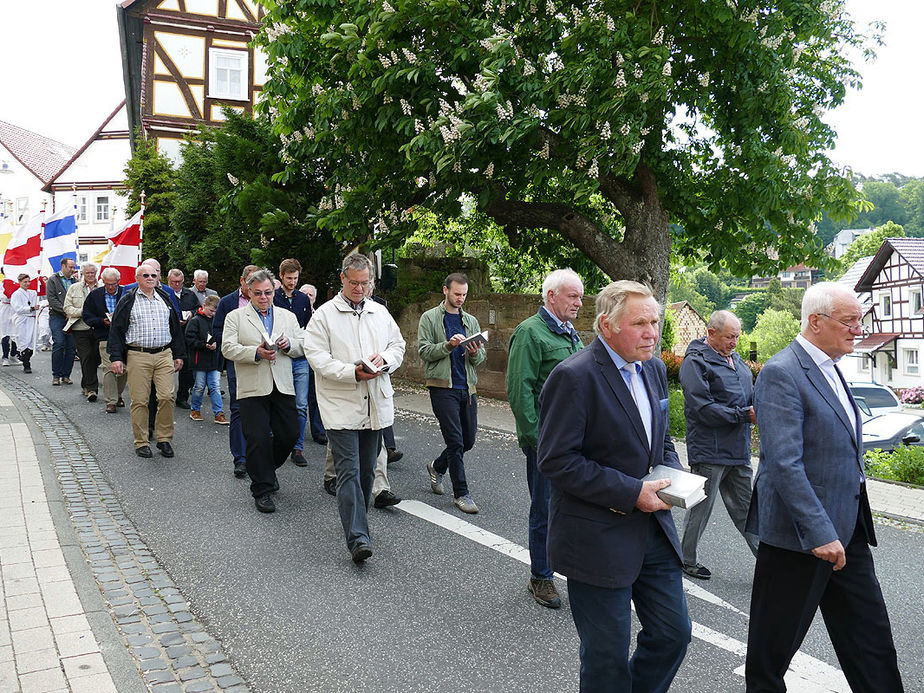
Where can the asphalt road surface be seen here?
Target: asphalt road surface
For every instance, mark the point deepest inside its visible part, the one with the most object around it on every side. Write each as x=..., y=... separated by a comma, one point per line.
x=442, y=604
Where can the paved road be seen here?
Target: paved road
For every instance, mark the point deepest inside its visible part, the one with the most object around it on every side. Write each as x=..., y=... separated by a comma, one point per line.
x=433, y=610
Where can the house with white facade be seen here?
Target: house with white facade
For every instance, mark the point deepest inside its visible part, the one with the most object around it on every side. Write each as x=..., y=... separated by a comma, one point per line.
x=27, y=162
x=891, y=352
x=842, y=240
x=90, y=180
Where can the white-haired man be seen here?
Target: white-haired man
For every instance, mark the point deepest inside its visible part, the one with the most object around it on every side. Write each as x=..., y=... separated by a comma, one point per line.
x=84, y=338
x=537, y=345
x=200, y=286
x=811, y=511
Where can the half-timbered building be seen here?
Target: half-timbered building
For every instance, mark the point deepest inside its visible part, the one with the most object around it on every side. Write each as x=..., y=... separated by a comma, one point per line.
x=891, y=351
x=183, y=61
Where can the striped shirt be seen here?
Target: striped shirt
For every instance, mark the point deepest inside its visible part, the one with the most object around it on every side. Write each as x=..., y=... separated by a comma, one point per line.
x=149, y=324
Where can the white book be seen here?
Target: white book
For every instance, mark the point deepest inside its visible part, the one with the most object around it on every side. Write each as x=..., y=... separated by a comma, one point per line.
x=476, y=339
x=686, y=489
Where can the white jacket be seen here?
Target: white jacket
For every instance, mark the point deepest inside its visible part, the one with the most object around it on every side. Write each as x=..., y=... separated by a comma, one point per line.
x=336, y=338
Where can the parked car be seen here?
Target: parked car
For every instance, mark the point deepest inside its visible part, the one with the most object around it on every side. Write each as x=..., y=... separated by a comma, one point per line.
x=879, y=398
x=888, y=431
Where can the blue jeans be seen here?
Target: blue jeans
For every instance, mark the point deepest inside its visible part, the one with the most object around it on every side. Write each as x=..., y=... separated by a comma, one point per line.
x=235, y=432
x=354, y=454
x=538, y=517
x=300, y=380
x=314, y=414
x=603, y=618
x=63, y=347
x=458, y=417
x=213, y=380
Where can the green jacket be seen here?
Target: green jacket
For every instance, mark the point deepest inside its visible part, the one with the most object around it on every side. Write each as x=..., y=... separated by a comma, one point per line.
x=434, y=350
x=534, y=350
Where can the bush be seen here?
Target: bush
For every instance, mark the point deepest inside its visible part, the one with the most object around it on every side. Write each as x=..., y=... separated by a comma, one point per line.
x=774, y=331
x=672, y=361
x=905, y=463
x=677, y=422
x=913, y=395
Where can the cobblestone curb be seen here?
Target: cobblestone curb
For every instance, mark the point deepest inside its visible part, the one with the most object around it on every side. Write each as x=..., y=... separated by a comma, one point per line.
x=171, y=648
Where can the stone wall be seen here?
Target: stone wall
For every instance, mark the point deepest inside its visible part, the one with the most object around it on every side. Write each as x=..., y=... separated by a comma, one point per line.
x=499, y=314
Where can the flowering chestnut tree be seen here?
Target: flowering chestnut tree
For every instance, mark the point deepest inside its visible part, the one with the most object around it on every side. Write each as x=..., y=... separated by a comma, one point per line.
x=629, y=128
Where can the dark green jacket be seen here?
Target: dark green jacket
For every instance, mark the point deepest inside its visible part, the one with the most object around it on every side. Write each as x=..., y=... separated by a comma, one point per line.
x=534, y=350
x=434, y=349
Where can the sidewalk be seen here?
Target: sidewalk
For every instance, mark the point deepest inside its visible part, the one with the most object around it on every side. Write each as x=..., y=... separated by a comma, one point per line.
x=892, y=500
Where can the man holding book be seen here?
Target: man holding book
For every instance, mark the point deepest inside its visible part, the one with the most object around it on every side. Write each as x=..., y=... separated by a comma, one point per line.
x=602, y=426
x=449, y=344
x=717, y=391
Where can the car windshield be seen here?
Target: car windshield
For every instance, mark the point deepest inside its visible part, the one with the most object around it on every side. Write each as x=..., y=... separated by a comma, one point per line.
x=874, y=396
x=887, y=425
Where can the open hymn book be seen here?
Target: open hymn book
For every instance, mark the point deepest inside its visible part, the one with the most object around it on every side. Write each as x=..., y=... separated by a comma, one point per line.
x=686, y=489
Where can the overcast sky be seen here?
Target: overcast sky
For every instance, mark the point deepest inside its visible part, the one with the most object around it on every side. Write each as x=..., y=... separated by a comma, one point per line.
x=65, y=54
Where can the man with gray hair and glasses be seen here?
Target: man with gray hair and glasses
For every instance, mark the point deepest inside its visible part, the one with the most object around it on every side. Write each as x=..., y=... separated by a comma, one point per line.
x=353, y=344
x=200, y=286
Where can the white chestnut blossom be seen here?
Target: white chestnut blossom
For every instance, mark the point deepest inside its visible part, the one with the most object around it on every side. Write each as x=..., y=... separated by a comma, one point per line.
x=620, y=79
x=489, y=171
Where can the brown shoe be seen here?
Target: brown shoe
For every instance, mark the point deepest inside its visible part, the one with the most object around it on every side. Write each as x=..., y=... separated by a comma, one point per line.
x=67, y=381
x=220, y=418
x=110, y=409
x=195, y=415
x=544, y=593
x=120, y=403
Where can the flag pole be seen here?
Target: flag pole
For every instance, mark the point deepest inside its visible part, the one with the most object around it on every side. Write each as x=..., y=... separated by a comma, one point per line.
x=76, y=235
x=141, y=230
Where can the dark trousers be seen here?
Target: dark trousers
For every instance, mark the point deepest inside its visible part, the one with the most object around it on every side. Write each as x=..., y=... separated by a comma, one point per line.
x=603, y=618
x=26, y=357
x=235, y=431
x=184, y=382
x=9, y=347
x=88, y=350
x=457, y=413
x=388, y=438
x=314, y=414
x=62, y=347
x=270, y=429
x=538, y=517
x=354, y=454
x=789, y=586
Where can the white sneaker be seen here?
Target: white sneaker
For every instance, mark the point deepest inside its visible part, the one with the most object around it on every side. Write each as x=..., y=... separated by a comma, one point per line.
x=436, y=479
x=6, y=362
x=466, y=504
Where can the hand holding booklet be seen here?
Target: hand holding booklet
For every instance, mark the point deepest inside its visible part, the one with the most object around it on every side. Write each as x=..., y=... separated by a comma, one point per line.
x=476, y=339
x=686, y=489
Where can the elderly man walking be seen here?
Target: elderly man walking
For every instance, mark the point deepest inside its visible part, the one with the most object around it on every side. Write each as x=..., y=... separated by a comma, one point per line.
x=811, y=510
x=353, y=344
x=262, y=341
x=63, y=348
x=200, y=286
x=98, y=309
x=84, y=337
x=146, y=330
x=185, y=303
x=717, y=392
x=537, y=345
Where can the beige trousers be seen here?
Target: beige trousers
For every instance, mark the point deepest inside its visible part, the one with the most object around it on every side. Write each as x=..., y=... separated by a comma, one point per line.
x=113, y=385
x=143, y=369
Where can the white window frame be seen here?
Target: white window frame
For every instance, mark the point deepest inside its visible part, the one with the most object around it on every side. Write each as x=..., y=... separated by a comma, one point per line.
x=911, y=362
x=102, y=215
x=885, y=301
x=914, y=298
x=865, y=362
x=22, y=209
x=83, y=209
x=243, y=57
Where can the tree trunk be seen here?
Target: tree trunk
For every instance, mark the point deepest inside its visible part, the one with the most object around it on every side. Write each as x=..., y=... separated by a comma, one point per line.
x=644, y=252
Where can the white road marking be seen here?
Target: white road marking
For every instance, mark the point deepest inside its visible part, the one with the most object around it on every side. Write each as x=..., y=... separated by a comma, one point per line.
x=806, y=674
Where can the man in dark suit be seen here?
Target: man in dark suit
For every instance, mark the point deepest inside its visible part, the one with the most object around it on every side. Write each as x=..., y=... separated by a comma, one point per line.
x=185, y=303
x=239, y=298
x=811, y=511
x=602, y=426
x=97, y=313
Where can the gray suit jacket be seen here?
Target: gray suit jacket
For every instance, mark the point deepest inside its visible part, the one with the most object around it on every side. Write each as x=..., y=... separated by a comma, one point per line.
x=807, y=492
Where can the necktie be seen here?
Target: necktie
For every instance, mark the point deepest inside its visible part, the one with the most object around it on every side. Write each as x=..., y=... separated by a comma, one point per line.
x=640, y=396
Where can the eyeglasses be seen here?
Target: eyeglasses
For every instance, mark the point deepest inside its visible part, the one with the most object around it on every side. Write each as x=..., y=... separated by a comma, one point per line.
x=149, y=276
x=852, y=326
x=270, y=292
x=355, y=284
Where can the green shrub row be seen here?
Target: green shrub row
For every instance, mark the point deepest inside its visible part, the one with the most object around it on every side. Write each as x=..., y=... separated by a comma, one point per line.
x=905, y=463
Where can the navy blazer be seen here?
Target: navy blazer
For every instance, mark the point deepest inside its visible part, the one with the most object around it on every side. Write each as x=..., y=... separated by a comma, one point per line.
x=94, y=311
x=227, y=303
x=594, y=451
x=807, y=492
x=301, y=305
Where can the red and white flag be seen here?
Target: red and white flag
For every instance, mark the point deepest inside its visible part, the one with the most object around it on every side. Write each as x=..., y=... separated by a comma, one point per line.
x=124, y=248
x=23, y=255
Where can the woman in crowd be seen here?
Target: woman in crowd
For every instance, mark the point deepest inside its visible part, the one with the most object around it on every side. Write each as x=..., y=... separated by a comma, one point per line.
x=25, y=304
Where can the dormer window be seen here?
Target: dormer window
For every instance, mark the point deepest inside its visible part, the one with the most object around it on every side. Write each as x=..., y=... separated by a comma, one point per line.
x=228, y=74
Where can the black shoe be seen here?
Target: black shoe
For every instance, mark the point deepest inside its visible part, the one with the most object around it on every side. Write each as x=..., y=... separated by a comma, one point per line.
x=698, y=571
x=298, y=458
x=320, y=440
x=240, y=469
x=330, y=485
x=26, y=369
x=91, y=396
x=265, y=503
x=165, y=449
x=394, y=455
x=385, y=499
x=361, y=552
x=144, y=451
x=182, y=403
x=275, y=485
